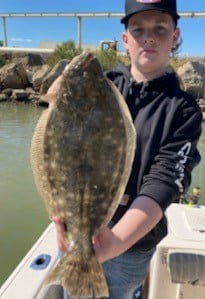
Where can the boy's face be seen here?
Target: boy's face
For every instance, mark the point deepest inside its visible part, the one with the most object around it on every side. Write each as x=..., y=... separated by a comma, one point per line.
x=149, y=39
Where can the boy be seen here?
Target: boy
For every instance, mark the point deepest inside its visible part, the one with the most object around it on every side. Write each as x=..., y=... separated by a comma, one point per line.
x=168, y=124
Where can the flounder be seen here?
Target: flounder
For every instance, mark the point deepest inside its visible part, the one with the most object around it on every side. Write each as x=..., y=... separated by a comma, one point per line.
x=81, y=155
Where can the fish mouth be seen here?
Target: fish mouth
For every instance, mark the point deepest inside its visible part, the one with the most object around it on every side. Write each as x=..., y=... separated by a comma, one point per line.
x=80, y=63
x=87, y=57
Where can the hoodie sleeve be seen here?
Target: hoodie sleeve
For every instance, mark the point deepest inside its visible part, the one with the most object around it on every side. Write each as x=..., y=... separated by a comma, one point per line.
x=170, y=173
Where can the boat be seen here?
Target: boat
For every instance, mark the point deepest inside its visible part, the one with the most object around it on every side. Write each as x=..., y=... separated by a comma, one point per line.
x=26, y=280
x=177, y=268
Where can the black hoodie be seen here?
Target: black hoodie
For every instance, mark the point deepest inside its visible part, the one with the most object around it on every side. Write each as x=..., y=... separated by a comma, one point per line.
x=168, y=125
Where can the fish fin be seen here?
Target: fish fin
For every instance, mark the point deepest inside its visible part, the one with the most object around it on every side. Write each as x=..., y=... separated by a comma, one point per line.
x=49, y=98
x=81, y=277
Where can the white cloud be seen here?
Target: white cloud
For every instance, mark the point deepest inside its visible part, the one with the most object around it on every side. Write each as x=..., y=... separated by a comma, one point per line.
x=18, y=39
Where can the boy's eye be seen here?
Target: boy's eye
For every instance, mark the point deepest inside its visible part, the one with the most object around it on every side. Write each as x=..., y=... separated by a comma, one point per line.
x=137, y=30
x=157, y=30
x=160, y=29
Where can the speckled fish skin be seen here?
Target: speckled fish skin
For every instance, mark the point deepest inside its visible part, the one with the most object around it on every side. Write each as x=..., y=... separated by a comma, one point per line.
x=81, y=155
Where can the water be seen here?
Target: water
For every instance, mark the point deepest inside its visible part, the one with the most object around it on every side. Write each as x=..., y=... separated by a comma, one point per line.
x=22, y=214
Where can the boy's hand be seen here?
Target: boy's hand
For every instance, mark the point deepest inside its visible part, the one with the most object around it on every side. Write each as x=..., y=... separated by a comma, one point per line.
x=61, y=234
x=102, y=241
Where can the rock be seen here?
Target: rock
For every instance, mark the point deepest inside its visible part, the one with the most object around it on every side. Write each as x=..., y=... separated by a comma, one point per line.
x=202, y=104
x=7, y=92
x=28, y=60
x=29, y=76
x=39, y=76
x=13, y=75
x=23, y=72
x=53, y=74
x=192, y=74
x=32, y=95
x=3, y=98
x=30, y=90
x=19, y=95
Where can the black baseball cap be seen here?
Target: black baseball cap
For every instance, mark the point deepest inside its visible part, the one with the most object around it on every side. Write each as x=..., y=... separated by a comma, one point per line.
x=134, y=6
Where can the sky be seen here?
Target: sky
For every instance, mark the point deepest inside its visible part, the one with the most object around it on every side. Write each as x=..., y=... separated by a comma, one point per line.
x=29, y=32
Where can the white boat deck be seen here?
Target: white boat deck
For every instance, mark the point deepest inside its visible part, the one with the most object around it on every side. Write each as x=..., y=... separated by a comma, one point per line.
x=27, y=279
x=177, y=268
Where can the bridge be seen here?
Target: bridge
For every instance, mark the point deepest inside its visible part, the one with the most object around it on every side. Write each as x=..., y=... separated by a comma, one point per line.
x=79, y=16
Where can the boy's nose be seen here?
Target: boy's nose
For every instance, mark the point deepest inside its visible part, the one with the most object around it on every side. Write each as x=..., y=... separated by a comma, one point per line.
x=148, y=37
x=149, y=41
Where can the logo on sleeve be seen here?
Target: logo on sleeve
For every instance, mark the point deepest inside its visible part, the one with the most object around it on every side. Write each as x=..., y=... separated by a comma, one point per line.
x=183, y=157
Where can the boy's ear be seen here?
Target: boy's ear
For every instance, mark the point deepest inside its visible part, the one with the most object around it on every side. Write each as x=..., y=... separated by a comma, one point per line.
x=176, y=37
x=124, y=39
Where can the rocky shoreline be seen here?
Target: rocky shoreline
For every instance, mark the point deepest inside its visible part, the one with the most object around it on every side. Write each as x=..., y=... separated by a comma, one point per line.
x=192, y=75
x=26, y=77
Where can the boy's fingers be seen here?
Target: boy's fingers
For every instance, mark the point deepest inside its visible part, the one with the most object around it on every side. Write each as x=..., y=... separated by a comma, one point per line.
x=61, y=237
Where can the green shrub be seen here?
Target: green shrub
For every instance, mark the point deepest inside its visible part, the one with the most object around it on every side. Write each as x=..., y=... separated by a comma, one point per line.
x=2, y=60
x=108, y=58
x=66, y=50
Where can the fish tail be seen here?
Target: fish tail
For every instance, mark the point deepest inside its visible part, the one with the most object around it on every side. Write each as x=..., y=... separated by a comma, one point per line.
x=81, y=277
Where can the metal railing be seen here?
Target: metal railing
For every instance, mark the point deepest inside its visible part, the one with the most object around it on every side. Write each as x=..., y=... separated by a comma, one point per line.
x=79, y=17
